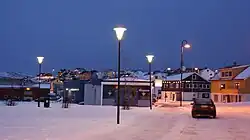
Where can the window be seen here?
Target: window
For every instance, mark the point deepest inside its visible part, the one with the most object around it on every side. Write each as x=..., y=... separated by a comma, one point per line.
x=203, y=102
x=237, y=85
x=205, y=95
x=230, y=73
x=192, y=86
x=174, y=85
x=195, y=86
x=200, y=85
x=171, y=85
x=223, y=74
x=216, y=98
x=187, y=86
x=208, y=86
x=194, y=77
x=226, y=74
x=222, y=86
x=203, y=86
x=177, y=85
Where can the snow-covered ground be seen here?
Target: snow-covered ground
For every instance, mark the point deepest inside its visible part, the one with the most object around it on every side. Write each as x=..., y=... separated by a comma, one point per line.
x=28, y=122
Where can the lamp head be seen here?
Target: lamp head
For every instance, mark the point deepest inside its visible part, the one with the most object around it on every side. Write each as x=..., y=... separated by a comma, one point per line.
x=150, y=58
x=187, y=46
x=119, y=32
x=40, y=59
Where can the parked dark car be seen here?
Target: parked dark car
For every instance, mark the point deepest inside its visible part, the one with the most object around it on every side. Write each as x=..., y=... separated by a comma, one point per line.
x=203, y=107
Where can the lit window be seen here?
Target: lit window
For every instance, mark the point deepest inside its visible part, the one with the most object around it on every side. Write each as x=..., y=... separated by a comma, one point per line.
x=222, y=86
x=237, y=85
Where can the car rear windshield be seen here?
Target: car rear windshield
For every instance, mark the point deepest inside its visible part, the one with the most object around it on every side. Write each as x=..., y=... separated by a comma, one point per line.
x=203, y=102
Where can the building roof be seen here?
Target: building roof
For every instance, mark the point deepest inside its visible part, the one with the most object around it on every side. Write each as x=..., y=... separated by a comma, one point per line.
x=241, y=76
x=235, y=66
x=128, y=79
x=205, y=69
x=244, y=74
x=216, y=76
x=10, y=86
x=13, y=75
x=177, y=77
x=42, y=86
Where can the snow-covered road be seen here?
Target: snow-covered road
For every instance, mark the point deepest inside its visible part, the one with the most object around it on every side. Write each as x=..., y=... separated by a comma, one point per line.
x=27, y=122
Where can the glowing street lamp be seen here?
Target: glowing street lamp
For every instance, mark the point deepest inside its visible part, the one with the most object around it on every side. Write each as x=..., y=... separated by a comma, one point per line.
x=119, y=34
x=150, y=60
x=40, y=61
x=184, y=44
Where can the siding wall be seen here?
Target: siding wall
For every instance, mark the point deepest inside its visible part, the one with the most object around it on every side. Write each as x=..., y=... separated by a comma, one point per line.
x=92, y=94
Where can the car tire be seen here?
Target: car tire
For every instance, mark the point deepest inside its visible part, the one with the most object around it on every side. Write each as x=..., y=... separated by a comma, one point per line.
x=193, y=115
x=213, y=116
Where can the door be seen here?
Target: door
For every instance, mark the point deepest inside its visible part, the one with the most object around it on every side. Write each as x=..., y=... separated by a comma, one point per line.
x=216, y=98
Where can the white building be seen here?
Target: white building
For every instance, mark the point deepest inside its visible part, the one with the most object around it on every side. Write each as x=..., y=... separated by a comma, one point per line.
x=207, y=74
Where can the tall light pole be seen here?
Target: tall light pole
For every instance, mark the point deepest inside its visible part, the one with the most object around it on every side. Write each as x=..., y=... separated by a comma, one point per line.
x=150, y=60
x=119, y=34
x=184, y=44
x=40, y=61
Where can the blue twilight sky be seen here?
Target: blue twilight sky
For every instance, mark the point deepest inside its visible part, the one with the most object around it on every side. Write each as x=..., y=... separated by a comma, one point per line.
x=78, y=33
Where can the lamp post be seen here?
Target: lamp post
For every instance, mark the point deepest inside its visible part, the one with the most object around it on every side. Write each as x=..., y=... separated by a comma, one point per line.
x=119, y=34
x=150, y=59
x=40, y=61
x=184, y=44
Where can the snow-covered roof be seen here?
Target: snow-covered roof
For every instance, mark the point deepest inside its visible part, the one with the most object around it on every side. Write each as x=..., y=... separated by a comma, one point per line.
x=10, y=86
x=177, y=77
x=43, y=86
x=243, y=75
x=13, y=75
x=234, y=67
x=205, y=70
x=128, y=79
x=216, y=77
